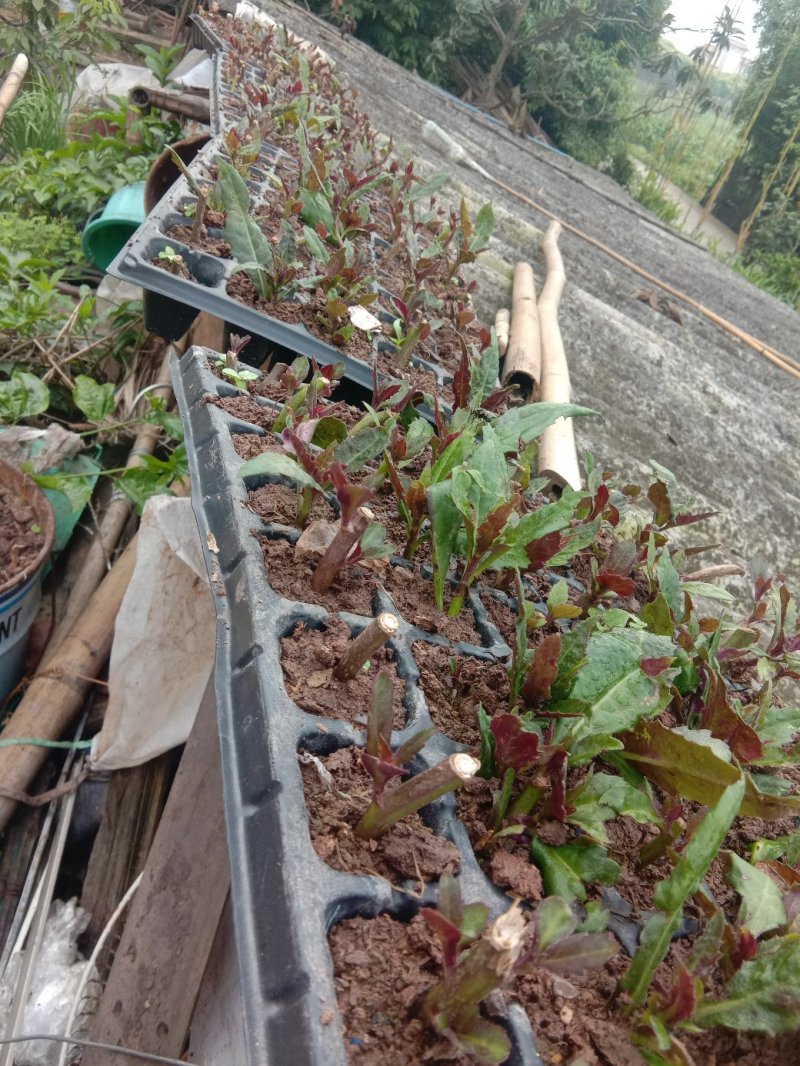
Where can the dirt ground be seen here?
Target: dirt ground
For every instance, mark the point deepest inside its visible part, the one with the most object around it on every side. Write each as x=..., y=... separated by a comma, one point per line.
x=690, y=396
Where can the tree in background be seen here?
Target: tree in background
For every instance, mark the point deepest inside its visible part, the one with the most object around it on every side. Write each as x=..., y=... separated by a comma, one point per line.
x=769, y=111
x=568, y=63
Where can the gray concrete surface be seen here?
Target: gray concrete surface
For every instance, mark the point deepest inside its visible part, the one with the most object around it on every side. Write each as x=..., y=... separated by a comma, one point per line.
x=690, y=397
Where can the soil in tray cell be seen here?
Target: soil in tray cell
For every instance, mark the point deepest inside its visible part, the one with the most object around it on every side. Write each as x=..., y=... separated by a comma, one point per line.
x=353, y=590
x=382, y=968
x=413, y=596
x=308, y=658
x=409, y=851
x=454, y=688
x=21, y=538
x=213, y=245
x=278, y=503
x=245, y=409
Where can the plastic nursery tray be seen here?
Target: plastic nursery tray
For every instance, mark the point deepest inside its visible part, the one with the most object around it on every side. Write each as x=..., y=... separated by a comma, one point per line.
x=285, y=898
x=172, y=302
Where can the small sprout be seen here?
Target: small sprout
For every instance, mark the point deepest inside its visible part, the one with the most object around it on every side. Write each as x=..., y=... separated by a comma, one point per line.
x=239, y=378
x=368, y=641
x=173, y=261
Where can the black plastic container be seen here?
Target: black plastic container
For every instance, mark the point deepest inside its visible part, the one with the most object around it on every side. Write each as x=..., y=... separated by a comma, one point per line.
x=285, y=898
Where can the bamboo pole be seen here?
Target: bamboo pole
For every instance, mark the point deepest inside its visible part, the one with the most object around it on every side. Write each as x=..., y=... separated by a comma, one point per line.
x=747, y=225
x=114, y=520
x=740, y=145
x=56, y=694
x=502, y=324
x=558, y=457
x=10, y=87
x=785, y=362
x=523, y=362
x=455, y=153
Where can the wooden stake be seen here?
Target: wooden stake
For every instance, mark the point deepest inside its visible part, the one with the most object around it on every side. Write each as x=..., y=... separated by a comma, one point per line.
x=10, y=87
x=56, y=694
x=522, y=364
x=558, y=458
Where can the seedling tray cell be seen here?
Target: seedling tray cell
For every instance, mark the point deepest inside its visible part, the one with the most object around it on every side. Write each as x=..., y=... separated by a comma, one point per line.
x=285, y=897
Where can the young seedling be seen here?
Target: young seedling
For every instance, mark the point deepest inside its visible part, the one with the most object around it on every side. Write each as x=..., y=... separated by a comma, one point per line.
x=368, y=641
x=495, y=955
x=230, y=366
x=202, y=192
x=172, y=260
x=392, y=805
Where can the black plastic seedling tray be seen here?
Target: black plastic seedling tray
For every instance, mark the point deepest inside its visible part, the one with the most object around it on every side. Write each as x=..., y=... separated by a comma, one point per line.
x=285, y=898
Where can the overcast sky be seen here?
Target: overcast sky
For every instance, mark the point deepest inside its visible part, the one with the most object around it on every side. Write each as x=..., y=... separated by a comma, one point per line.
x=700, y=15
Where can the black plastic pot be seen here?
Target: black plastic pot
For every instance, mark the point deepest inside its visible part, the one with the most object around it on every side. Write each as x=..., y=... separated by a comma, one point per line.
x=285, y=898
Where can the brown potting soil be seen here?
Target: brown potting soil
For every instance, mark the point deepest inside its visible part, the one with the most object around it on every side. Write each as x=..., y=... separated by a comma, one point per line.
x=176, y=267
x=413, y=596
x=382, y=968
x=455, y=687
x=308, y=658
x=21, y=537
x=278, y=503
x=409, y=851
x=353, y=590
x=249, y=445
x=425, y=380
x=213, y=245
x=245, y=408
x=241, y=288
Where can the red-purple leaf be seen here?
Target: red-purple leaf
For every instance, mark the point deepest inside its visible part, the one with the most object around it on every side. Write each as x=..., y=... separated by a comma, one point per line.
x=461, y=380
x=681, y=999
x=497, y=399
x=658, y=495
x=623, y=586
x=654, y=667
x=718, y=715
x=542, y=550
x=513, y=747
x=449, y=935
x=543, y=671
x=494, y=523
x=686, y=519
x=557, y=771
x=350, y=497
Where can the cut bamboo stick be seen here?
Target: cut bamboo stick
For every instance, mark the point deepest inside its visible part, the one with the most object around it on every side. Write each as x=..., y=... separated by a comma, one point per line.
x=10, y=87
x=56, y=694
x=502, y=324
x=522, y=364
x=558, y=457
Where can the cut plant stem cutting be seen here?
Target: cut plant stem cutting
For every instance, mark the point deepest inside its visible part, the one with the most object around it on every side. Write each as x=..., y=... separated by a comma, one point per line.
x=396, y=804
x=368, y=641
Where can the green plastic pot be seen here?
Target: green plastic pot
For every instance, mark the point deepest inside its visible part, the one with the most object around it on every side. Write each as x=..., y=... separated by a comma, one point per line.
x=108, y=229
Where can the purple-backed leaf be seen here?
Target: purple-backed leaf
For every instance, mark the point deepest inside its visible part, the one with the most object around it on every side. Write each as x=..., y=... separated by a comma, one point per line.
x=449, y=935
x=543, y=671
x=350, y=497
x=514, y=748
x=496, y=400
x=304, y=432
x=400, y=307
x=461, y=380
x=306, y=458
x=598, y=504
x=381, y=716
x=448, y=900
x=541, y=550
x=654, y=667
x=494, y=523
x=680, y=1001
x=721, y=719
x=687, y=519
x=381, y=771
x=618, y=583
x=658, y=495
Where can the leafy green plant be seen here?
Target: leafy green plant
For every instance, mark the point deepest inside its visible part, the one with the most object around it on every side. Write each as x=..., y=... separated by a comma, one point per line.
x=36, y=119
x=172, y=260
x=273, y=271
x=160, y=60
